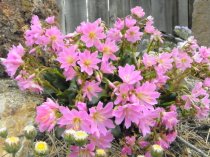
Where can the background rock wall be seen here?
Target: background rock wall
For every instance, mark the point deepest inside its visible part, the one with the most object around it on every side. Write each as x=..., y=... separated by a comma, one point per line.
x=201, y=21
x=15, y=15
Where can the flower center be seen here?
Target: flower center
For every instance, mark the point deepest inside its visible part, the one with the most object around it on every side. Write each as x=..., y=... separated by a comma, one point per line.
x=98, y=117
x=184, y=60
x=53, y=37
x=92, y=35
x=106, y=50
x=41, y=146
x=69, y=60
x=87, y=62
x=132, y=33
x=77, y=122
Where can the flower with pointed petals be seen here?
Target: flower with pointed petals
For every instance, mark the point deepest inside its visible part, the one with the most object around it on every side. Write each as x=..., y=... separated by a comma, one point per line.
x=108, y=49
x=129, y=75
x=164, y=61
x=92, y=33
x=14, y=59
x=100, y=118
x=87, y=151
x=73, y=119
x=68, y=57
x=146, y=94
x=138, y=11
x=88, y=61
x=114, y=34
x=133, y=34
x=104, y=141
x=123, y=94
x=47, y=115
x=129, y=113
x=90, y=89
x=107, y=67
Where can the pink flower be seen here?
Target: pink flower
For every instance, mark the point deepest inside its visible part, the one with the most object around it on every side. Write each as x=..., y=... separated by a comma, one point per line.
x=46, y=115
x=28, y=83
x=100, y=118
x=169, y=119
x=130, y=140
x=119, y=24
x=114, y=34
x=104, y=141
x=122, y=94
x=147, y=120
x=108, y=49
x=129, y=21
x=69, y=73
x=133, y=34
x=138, y=11
x=129, y=112
x=50, y=20
x=91, y=34
x=207, y=82
x=148, y=60
x=149, y=28
x=87, y=151
x=164, y=61
x=107, y=67
x=126, y=150
x=14, y=59
x=129, y=75
x=90, y=89
x=167, y=139
x=73, y=119
x=54, y=37
x=88, y=61
x=146, y=94
x=204, y=53
x=34, y=34
x=68, y=57
x=81, y=106
x=182, y=59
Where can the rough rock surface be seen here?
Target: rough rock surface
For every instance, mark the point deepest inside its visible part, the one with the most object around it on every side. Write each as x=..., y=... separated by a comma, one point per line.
x=17, y=109
x=201, y=21
x=15, y=15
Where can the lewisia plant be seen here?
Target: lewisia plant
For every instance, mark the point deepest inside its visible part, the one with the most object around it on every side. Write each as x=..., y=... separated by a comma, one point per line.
x=105, y=86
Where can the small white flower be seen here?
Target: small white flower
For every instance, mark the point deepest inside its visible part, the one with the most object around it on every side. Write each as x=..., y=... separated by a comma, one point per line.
x=68, y=136
x=157, y=150
x=41, y=148
x=80, y=135
x=80, y=138
x=100, y=153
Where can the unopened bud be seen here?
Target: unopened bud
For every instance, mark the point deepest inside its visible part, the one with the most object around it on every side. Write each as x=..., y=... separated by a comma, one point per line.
x=68, y=136
x=30, y=132
x=12, y=145
x=156, y=151
x=3, y=132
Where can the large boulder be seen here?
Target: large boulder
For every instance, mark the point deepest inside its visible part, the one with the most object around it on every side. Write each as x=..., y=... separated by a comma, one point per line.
x=17, y=109
x=201, y=21
x=15, y=16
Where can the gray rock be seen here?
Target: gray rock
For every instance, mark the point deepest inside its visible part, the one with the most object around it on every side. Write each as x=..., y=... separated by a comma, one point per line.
x=17, y=109
x=201, y=22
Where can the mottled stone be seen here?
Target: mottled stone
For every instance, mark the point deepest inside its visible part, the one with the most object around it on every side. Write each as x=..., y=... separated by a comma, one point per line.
x=201, y=22
x=15, y=16
x=17, y=109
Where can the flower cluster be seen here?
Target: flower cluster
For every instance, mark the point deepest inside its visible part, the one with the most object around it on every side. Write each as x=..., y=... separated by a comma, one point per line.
x=102, y=83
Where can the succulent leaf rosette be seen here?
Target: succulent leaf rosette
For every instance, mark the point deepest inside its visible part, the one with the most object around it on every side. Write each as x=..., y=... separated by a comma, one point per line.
x=108, y=83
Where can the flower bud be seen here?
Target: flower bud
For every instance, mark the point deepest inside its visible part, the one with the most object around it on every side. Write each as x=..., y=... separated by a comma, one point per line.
x=140, y=155
x=156, y=151
x=100, y=153
x=68, y=136
x=12, y=145
x=99, y=76
x=41, y=148
x=3, y=132
x=80, y=138
x=30, y=132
